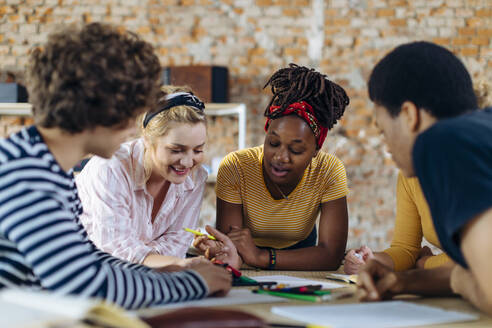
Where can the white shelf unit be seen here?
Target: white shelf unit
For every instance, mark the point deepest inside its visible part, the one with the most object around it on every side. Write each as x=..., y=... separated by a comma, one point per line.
x=211, y=109
x=215, y=109
x=15, y=109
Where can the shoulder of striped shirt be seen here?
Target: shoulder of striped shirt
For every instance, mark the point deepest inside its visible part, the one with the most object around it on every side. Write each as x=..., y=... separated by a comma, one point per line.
x=14, y=156
x=100, y=170
x=327, y=159
x=246, y=155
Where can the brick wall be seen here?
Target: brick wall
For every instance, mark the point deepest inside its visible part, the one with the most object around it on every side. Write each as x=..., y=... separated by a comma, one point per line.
x=343, y=38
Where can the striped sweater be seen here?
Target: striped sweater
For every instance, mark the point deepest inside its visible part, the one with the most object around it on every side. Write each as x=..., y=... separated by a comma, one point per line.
x=44, y=246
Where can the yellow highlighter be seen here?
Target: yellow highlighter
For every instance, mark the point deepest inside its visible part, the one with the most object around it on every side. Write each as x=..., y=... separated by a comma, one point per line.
x=198, y=233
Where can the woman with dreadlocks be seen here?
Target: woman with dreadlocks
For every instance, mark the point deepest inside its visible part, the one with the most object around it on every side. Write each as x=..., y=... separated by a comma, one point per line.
x=269, y=197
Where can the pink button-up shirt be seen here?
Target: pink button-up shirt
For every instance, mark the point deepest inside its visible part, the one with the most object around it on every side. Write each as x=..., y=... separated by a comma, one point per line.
x=118, y=208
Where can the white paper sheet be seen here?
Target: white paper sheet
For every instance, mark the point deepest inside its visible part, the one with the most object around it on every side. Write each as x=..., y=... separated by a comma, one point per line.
x=235, y=296
x=22, y=307
x=295, y=281
x=13, y=316
x=372, y=315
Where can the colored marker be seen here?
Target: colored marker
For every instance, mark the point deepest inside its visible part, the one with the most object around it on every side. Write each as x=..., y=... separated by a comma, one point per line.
x=322, y=292
x=300, y=297
x=301, y=289
x=247, y=279
x=198, y=233
x=229, y=268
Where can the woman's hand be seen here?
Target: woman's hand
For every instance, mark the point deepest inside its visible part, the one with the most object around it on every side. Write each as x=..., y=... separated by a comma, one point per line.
x=208, y=247
x=246, y=247
x=222, y=249
x=356, y=258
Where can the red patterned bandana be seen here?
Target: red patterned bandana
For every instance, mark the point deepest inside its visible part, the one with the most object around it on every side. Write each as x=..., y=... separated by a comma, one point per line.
x=304, y=111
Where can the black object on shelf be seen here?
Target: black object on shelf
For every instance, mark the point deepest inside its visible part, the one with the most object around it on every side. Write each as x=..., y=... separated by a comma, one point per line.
x=209, y=83
x=12, y=93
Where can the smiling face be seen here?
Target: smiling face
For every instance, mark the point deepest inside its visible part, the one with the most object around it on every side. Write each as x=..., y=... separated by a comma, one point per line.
x=174, y=155
x=288, y=149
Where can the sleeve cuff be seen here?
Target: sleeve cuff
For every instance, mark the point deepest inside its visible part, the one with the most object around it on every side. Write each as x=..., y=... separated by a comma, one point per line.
x=401, y=259
x=436, y=261
x=201, y=284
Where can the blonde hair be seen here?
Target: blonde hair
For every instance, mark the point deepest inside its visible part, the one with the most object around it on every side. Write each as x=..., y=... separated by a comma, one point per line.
x=163, y=122
x=483, y=92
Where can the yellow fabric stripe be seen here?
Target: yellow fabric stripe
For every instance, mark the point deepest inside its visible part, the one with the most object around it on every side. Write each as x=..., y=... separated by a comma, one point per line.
x=279, y=223
x=413, y=221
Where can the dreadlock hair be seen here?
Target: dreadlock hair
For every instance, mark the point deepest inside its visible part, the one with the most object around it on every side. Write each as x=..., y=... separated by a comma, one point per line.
x=298, y=83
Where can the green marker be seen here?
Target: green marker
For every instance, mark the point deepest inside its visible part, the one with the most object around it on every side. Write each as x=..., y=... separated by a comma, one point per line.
x=322, y=292
x=247, y=279
x=300, y=297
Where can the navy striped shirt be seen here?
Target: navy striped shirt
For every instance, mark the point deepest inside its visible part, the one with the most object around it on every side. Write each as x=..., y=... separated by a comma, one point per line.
x=44, y=246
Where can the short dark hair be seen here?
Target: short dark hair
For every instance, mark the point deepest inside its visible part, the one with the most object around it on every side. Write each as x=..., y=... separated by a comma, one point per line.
x=92, y=75
x=425, y=74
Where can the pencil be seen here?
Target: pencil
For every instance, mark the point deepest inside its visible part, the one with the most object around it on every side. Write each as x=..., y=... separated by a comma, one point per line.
x=198, y=233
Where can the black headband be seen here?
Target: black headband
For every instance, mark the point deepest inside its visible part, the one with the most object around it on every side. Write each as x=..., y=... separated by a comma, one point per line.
x=176, y=99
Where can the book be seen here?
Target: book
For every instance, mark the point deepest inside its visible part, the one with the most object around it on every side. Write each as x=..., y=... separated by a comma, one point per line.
x=27, y=308
x=24, y=308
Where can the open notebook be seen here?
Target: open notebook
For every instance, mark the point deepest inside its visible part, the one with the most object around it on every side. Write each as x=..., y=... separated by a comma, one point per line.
x=24, y=308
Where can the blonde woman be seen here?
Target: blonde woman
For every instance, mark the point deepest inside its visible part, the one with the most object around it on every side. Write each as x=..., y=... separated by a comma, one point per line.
x=137, y=203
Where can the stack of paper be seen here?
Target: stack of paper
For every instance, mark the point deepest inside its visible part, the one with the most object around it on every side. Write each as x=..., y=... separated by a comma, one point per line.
x=372, y=315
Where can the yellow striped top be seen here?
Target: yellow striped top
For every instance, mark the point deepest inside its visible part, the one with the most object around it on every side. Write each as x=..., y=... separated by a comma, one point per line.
x=284, y=222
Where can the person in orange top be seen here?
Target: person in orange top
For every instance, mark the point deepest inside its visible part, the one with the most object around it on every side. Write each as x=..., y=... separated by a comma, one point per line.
x=413, y=222
x=269, y=197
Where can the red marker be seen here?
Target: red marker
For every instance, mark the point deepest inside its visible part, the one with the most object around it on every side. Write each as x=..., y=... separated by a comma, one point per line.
x=229, y=268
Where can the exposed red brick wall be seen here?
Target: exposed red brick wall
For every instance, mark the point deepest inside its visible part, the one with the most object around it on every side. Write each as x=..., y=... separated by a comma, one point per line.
x=254, y=38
